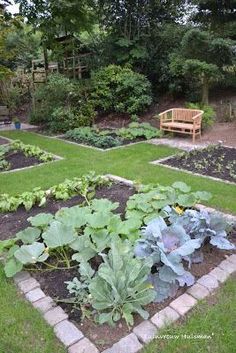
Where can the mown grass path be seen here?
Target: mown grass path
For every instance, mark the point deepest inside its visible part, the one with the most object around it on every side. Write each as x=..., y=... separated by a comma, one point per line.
x=131, y=162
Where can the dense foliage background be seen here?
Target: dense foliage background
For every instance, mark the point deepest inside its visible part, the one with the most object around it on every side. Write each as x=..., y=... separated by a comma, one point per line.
x=183, y=48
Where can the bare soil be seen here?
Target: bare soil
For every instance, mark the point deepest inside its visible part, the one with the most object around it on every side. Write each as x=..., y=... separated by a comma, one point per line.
x=104, y=336
x=19, y=160
x=3, y=141
x=219, y=162
x=13, y=222
x=225, y=132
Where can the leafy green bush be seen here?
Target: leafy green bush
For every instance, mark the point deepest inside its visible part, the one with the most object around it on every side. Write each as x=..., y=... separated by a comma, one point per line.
x=136, y=130
x=120, y=89
x=92, y=137
x=208, y=116
x=61, y=104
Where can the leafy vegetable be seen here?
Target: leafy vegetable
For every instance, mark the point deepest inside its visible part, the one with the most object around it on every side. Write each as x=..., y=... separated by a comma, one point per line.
x=167, y=246
x=206, y=227
x=120, y=286
x=135, y=130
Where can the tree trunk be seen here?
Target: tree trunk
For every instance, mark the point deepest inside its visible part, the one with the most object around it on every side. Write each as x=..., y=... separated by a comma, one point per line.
x=205, y=91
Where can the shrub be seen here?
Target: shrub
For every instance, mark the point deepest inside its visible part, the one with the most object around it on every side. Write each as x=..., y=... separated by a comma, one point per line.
x=208, y=116
x=136, y=130
x=61, y=105
x=120, y=89
x=92, y=137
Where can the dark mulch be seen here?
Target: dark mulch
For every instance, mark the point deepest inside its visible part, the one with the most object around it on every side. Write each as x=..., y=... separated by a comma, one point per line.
x=104, y=336
x=3, y=141
x=13, y=222
x=218, y=162
x=19, y=160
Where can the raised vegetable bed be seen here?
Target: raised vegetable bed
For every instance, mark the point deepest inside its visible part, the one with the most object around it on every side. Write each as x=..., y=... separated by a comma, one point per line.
x=216, y=161
x=146, y=244
x=17, y=155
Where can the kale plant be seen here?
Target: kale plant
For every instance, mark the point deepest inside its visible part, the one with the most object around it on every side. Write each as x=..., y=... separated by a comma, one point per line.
x=120, y=286
x=167, y=247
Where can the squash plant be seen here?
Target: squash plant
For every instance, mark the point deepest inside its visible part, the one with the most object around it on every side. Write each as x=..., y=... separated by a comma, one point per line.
x=157, y=199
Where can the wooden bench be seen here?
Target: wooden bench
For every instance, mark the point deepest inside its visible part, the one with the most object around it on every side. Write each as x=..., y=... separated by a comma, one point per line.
x=4, y=115
x=183, y=121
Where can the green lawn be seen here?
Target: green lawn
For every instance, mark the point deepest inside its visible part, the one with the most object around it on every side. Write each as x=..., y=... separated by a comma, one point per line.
x=131, y=162
x=23, y=330
x=217, y=321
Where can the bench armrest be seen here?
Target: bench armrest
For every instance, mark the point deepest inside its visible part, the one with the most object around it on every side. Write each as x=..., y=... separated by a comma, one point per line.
x=164, y=115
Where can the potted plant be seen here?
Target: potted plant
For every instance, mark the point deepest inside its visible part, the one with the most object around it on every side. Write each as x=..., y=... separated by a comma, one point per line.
x=17, y=123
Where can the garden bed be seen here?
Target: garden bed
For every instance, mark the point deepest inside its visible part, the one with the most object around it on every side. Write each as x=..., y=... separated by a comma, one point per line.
x=17, y=155
x=122, y=142
x=13, y=222
x=103, y=236
x=215, y=161
x=18, y=160
x=104, y=336
x=3, y=141
x=110, y=138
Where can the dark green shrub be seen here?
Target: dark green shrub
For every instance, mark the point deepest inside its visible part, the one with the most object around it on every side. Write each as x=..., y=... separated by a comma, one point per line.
x=62, y=104
x=120, y=89
x=92, y=137
x=208, y=116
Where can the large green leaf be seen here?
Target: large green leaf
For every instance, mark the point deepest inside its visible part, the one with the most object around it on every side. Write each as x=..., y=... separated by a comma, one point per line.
x=31, y=253
x=181, y=186
x=28, y=235
x=12, y=266
x=6, y=244
x=41, y=220
x=74, y=216
x=99, y=219
x=101, y=205
x=59, y=234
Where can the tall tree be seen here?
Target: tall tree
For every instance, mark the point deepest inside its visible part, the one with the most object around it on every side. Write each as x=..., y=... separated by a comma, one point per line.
x=218, y=16
x=57, y=17
x=202, y=56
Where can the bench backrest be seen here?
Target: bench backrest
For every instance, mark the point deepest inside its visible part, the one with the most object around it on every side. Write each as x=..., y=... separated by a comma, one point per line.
x=184, y=114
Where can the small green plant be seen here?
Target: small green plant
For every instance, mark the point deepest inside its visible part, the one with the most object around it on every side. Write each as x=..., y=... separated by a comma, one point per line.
x=79, y=290
x=208, y=116
x=4, y=164
x=32, y=151
x=136, y=130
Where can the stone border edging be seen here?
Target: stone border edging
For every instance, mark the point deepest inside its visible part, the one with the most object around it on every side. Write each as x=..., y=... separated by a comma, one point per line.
x=159, y=162
x=76, y=342
x=56, y=159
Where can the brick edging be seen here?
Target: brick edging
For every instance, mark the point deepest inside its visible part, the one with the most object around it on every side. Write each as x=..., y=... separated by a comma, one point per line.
x=76, y=342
